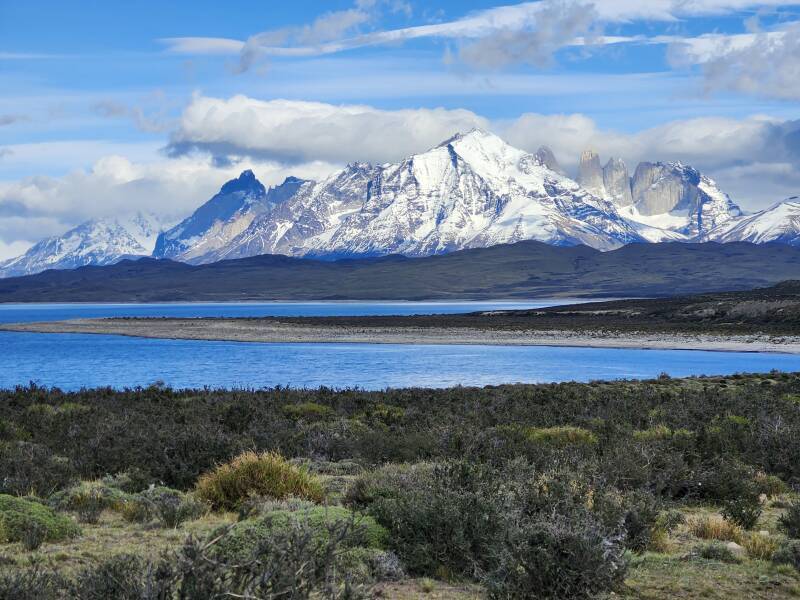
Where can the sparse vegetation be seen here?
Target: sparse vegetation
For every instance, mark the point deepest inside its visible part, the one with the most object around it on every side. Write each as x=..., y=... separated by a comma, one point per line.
x=643, y=489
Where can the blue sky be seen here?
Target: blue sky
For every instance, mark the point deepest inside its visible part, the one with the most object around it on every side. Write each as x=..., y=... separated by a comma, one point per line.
x=111, y=106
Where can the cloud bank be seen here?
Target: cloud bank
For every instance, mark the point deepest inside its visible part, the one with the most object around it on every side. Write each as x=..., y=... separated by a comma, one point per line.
x=756, y=159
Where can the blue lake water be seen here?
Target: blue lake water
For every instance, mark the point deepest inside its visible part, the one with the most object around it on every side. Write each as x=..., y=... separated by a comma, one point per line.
x=74, y=361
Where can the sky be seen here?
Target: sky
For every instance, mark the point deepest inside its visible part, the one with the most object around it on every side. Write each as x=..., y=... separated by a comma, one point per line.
x=109, y=107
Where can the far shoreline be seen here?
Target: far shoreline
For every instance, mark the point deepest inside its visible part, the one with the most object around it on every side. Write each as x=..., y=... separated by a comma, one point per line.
x=274, y=331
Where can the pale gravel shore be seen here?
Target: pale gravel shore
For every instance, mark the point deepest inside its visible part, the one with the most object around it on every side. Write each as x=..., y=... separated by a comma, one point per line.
x=253, y=330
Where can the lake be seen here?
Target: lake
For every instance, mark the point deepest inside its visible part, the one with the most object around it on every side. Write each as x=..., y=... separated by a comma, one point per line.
x=73, y=361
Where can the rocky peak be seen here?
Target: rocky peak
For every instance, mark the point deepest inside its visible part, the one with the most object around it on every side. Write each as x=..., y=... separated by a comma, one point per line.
x=548, y=159
x=660, y=188
x=246, y=182
x=617, y=182
x=590, y=174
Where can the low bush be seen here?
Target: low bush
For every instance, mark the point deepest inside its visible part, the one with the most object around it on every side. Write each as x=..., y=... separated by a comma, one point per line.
x=715, y=528
x=789, y=522
x=292, y=564
x=744, y=511
x=88, y=499
x=246, y=536
x=717, y=551
x=565, y=435
x=29, y=468
x=759, y=546
x=517, y=531
x=24, y=520
x=558, y=558
x=169, y=507
x=788, y=553
x=251, y=474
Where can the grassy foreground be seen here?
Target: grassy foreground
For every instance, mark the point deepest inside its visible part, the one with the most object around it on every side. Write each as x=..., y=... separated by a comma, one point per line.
x=679, y=488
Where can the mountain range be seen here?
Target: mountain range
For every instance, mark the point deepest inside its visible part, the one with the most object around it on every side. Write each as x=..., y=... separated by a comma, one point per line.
x=471, y=191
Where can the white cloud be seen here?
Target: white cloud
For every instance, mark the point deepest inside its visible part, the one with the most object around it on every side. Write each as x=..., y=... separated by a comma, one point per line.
x=36, y=207
x=530, y=31
x=287, y=131
x=763, y=64
x=296, y=131
x=13, y=249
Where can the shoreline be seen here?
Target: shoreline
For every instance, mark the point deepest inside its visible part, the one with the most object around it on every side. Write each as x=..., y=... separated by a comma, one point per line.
x=271, y=331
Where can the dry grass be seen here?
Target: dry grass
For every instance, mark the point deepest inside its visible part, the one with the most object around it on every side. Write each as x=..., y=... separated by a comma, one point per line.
x=714, y=527
x=760, y=546
x=250, y=474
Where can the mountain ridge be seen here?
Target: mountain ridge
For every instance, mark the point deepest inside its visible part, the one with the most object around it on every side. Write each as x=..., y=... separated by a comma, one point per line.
x=525, y=269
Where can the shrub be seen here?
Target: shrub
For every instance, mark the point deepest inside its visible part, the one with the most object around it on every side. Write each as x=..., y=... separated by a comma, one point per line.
x=769, y=485
x=29, y=468
x=250, y=474
x=744, y=511
x=20, y=518
x=670, y=519
x=717, y=551
x=558, y=558
x=122, y=577
x=309, y=411
x=448, y=516
x=32, y=584
x=760, y=546
x=566, y=435
x=788, y=553
x=88, y=499
x=171, y=507
x=246, y=536
x=789, y=522
x=715, y=528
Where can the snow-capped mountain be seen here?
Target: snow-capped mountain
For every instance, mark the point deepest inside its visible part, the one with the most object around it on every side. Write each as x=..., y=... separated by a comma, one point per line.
x=95, y=242
x=779, y=223
x=472, y=190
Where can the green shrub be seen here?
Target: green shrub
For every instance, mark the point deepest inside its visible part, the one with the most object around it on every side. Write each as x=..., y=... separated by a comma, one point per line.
x=251, y=474
x=558, y=557
x=717, y=551
x=20, y=518
x=29, y=468
x=566, y=435
x=789, y=522
x=88, y=499
x=33, y=584
x=744, y=511
x=169, y=507
x=309, y=411
x=788, y=553
x=248, y=534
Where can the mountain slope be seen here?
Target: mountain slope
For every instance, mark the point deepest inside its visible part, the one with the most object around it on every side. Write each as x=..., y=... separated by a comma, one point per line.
x=213, y=225
x=523, y=270
x=779, y=223
x=95, y=242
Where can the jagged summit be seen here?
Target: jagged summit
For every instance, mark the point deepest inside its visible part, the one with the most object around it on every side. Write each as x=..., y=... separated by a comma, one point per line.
x=246, y=182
